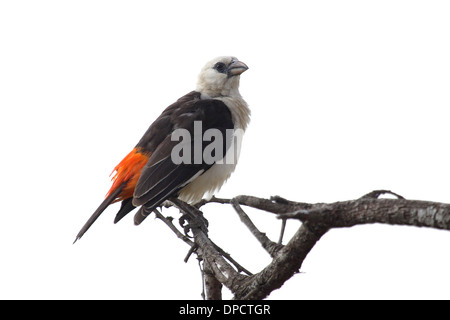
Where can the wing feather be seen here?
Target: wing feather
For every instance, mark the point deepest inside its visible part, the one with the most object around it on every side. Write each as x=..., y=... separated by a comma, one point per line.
x=161, y=177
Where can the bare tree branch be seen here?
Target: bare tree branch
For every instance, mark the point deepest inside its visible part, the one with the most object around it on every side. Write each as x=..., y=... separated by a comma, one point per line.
x=316, y=220
x=387, y=211
x=222, y=270
x=212, y=285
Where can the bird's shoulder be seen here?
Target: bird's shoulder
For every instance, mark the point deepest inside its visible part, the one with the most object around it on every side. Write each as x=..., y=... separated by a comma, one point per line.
x=182, y=114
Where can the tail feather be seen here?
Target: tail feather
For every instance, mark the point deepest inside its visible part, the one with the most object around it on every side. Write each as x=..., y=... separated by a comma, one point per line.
x=110, y=199
x=127, y=206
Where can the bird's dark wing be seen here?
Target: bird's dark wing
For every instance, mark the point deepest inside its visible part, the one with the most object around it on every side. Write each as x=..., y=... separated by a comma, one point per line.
x=161, y=177
x=153, y=137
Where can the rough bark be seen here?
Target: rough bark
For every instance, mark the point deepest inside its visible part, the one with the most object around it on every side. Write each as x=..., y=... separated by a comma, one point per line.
x=220, y=269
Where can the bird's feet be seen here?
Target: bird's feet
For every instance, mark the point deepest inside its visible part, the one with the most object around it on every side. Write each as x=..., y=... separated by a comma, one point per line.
x=192, y=217
x=189, y=221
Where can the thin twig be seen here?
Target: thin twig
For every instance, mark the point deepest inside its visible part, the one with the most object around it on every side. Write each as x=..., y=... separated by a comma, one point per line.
x=168, y=222
x=271, y=247
x=190, y=252
x=213, y=199
x=275, y=204
x=229, y=258
x=377, y=193
x=283, y=228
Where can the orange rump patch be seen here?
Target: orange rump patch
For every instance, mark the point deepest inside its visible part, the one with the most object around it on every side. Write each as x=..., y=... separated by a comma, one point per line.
x=128, y=170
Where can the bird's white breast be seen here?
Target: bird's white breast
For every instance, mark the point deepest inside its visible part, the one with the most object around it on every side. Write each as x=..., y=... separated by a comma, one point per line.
x=207, y=183
x=212, y=180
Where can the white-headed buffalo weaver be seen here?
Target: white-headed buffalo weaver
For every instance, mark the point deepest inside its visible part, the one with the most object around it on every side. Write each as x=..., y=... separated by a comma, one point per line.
x=148, y=175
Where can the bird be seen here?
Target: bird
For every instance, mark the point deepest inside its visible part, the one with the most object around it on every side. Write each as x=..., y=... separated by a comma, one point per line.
x=161, y=167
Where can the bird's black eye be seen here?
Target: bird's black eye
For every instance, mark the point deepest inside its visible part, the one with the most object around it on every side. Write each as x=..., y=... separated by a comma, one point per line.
x=220, y=67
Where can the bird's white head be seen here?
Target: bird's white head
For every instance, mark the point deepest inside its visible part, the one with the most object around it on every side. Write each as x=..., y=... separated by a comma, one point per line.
x=220, y=77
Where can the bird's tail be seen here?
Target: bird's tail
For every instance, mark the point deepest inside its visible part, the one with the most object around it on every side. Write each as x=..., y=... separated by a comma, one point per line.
x=110, y=199
x=126, y=176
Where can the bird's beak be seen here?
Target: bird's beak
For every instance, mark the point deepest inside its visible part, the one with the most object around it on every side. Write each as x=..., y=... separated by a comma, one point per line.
x=236, y=68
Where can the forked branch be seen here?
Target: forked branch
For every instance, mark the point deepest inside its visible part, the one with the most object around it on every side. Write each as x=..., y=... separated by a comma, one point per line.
x=316, y=220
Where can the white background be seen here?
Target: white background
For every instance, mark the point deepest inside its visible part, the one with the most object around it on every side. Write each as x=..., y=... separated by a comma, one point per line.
x=346, y=97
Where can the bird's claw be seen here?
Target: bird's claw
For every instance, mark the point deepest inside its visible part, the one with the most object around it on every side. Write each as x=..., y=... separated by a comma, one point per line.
x=189, y=221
